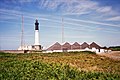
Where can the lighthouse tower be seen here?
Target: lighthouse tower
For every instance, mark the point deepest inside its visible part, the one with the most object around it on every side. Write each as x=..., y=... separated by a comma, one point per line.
x=37, y=33
x=37, y=45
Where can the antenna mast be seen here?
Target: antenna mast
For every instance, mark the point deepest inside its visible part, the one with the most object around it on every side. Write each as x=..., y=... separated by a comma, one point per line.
x=22, y=32
x=0, y=43
x=62, y=30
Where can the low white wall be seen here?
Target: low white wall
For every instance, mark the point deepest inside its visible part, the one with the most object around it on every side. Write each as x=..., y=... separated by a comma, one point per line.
x=87, y=49
x=51, y=51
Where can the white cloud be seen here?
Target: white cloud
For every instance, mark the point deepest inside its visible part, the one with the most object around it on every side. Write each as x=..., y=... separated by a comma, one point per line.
x=76, y=7
x=79, y=13
x=8, y=11
x=79, y=7
x=69, y=6
x=18, y=1
x=94, y=22
x=57, y=19
x=72, y=7
x=104, y=9
x=80, y=36
x=26, y=1
x=12, y=14
x=116, y=18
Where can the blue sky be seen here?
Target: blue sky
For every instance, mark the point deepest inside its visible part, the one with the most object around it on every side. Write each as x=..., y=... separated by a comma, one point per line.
x=84, y=21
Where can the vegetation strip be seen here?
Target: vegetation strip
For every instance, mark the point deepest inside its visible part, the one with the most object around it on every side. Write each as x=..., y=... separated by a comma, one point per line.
x=40, y=67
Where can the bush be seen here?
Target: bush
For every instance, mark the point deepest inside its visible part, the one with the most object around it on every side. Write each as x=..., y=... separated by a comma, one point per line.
x=115, y=48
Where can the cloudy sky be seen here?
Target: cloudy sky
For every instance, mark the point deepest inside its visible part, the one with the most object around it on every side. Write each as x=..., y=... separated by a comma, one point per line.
x=84, y=21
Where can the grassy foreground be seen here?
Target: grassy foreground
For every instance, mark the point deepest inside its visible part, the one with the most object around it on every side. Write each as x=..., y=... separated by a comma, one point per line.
x=58, y=66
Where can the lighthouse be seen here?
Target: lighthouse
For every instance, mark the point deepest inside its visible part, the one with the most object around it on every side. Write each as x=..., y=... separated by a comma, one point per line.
x=37, y=33
x=37, y=45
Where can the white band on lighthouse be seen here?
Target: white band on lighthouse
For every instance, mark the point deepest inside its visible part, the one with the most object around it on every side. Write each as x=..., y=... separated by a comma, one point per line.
x=37, y=37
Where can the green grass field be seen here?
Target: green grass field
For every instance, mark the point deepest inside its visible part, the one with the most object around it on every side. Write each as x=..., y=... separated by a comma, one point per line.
x=58, y=66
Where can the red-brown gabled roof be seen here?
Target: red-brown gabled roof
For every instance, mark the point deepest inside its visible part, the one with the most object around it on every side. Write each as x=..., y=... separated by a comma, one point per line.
x=56, y=46
x=84, y=45
x=66, y=46
x=75, y=46
x=94, y=45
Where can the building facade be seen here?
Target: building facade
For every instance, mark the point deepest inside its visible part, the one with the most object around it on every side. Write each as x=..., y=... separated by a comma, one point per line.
x=67, y=47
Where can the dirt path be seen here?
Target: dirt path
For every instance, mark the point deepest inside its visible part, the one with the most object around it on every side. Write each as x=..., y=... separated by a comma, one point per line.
x=113, y=55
